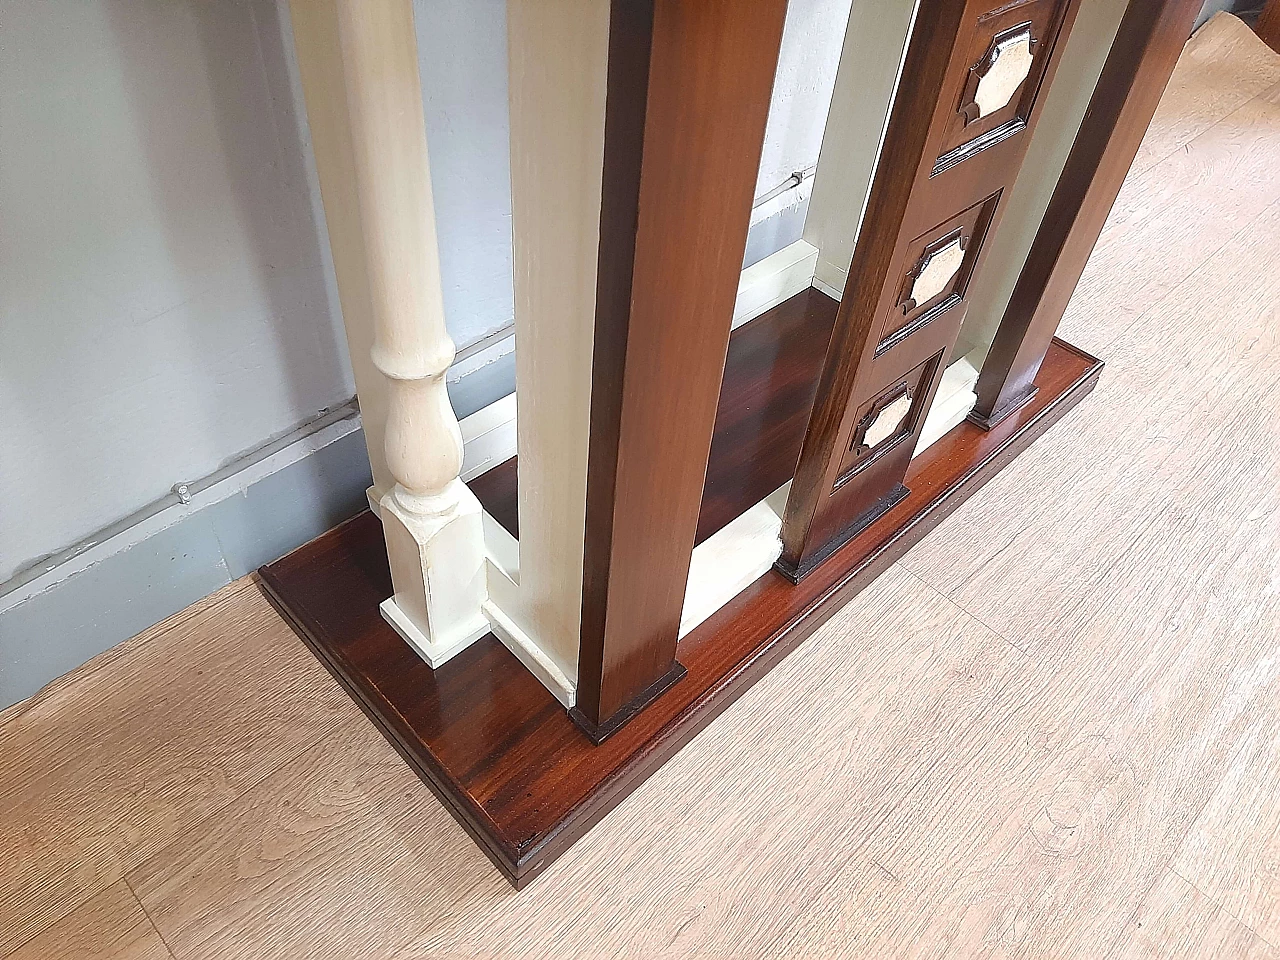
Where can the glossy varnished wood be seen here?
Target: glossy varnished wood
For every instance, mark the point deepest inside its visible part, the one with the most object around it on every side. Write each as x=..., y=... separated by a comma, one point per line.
x=1146, y=48
x=941, y=177
x=1268, y=25
x=673, y=227
x=769, y=381
x=923, y=821
x=497, y=489
x=494, y=745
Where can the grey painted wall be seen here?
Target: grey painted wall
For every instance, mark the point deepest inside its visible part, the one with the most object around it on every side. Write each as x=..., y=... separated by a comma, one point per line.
x=166, y=302
x=1228, y=6
x=165, y=305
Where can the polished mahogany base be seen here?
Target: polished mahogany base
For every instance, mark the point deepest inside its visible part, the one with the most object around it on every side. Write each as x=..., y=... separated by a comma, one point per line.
x=499, y=751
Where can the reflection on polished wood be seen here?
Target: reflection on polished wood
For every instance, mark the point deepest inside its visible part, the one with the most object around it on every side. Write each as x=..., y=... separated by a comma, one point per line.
x=769, y=383
x=266, y=818
x=502, y=754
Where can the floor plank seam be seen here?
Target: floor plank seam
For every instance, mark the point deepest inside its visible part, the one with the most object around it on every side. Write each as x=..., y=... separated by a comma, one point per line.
x=1108, y=348
x=968, y=613
x=1186, y=146
x=1218, y=903
x=859, y=851
x=114, y=655
x=150, y=919
x=123, y=876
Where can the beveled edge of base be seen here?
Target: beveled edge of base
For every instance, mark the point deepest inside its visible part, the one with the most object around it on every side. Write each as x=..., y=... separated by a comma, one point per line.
x=521, y=865
x=795, y=572
x=989, y=421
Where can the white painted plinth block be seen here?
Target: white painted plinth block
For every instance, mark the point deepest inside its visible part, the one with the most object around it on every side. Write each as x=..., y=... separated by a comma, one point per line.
x=436, y=549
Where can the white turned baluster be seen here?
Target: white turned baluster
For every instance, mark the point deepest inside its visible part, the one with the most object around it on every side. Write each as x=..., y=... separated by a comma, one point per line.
x=430, y=518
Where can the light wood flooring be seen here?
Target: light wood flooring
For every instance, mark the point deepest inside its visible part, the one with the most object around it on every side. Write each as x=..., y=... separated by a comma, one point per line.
x=1059, y=737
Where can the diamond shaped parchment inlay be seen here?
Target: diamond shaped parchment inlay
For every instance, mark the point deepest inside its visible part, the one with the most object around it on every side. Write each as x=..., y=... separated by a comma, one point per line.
x=1007, y=66
x=937, y=270
x=887, y=421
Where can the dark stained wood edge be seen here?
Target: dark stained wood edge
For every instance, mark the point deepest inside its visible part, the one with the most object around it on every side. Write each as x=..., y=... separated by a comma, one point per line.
x=909, y=194
x=797, y=573
x=626, y=107
x=1268, y=25
x=673, y=233
x=599, y=733
x=904, y=152
x=1137, y=70
x=728, y=653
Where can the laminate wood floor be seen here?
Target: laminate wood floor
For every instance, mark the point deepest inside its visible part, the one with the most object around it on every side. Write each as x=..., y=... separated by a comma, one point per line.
x=1056, y=734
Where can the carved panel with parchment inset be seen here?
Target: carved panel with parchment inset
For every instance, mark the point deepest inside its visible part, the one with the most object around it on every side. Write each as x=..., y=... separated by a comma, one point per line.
x=941, y=263
x=973, y=86
x=1007, y=55
x=886, y=420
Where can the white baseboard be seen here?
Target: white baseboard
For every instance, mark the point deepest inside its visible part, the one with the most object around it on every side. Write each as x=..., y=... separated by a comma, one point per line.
x=732, y=558
x=778, y=277
x=830, y=279
x=488, y=437
x=530, y=654
x=952, y=403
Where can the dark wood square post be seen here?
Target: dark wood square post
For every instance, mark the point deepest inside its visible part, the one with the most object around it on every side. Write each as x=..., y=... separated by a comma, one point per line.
x=1138, y=68
x=972, y=89
x=689, y=85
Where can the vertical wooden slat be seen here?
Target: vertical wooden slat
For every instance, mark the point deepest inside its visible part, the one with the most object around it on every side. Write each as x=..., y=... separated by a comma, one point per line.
x=1145, y=51
x=319, y=54
x=904, y=152
x=673, y=230
x=557, y=64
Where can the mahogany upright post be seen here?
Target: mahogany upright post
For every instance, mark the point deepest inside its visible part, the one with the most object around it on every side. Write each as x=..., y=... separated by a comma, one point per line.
x=688, y=94
x=971, y=91
x=1142, y=58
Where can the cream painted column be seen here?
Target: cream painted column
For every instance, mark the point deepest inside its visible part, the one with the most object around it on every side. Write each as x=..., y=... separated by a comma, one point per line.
x=430, y=519
x=558, y=56
x=875, y=44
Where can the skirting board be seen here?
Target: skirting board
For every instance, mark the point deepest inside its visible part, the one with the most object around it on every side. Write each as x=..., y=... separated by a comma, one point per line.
x=500, y=752
x=149, y=567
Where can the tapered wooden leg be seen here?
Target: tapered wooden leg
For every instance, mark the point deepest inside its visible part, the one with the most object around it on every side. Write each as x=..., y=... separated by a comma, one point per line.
x=1145, y=51
x=430, y=519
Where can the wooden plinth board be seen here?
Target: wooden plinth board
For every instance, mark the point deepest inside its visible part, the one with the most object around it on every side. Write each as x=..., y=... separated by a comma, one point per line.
x=503, y=756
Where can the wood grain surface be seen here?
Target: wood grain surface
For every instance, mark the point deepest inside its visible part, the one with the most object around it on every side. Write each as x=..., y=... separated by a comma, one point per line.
x=1049, y=732
x=941, y=177
x=108, y=926
x=770, y=378
x=1142, y=58
x=673, y=230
